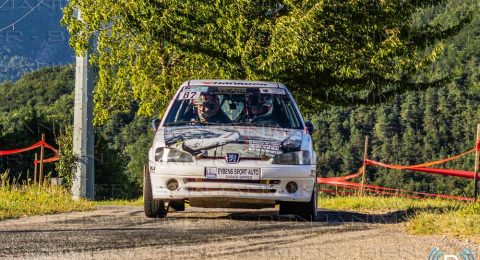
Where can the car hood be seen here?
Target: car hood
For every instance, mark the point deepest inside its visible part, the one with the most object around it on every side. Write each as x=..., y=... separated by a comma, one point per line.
x=217, y=141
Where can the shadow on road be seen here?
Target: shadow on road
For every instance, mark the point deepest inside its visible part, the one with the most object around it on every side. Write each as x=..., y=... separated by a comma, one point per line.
x=326, y=216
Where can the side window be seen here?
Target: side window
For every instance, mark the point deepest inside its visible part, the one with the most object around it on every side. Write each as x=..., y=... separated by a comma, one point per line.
x=292, y=115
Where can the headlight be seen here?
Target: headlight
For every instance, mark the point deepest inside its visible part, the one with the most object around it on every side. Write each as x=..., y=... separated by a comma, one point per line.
x=172, y=155
x=293, y=158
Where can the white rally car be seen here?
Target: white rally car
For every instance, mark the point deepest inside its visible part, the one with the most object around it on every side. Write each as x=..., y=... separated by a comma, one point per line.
x=231, y=144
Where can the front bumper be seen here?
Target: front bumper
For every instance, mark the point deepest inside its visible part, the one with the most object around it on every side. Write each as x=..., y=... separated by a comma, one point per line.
x=193, y=184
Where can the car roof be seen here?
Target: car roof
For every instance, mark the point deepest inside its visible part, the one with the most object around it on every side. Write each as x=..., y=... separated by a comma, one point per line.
x=233, y=83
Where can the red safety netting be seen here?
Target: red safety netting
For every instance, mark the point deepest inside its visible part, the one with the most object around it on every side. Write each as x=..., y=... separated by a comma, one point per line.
x=22, y=150
x=32, y=147
x=343, y=183
x=388, y=191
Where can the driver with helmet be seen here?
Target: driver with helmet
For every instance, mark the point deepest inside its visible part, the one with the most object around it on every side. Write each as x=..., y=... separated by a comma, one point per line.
x=259, y=107
x=209, y=111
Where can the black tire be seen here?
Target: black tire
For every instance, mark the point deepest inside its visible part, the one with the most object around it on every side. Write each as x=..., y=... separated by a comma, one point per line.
x=305, y=210
x=153, y=208
x=176, y=205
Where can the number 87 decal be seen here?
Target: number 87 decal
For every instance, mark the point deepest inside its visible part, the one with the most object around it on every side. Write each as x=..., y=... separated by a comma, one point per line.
x=188, y=95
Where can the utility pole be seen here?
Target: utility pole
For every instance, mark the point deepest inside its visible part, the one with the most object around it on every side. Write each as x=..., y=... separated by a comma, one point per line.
x=83, y=136
x=475, y=177
x=364, y=167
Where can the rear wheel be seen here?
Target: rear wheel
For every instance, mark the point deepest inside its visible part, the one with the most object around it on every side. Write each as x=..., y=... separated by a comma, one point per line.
x=305, y=210
x=153, y=208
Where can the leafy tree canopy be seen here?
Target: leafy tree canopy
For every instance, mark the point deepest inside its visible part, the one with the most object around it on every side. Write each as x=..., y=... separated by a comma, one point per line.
x=328, y=51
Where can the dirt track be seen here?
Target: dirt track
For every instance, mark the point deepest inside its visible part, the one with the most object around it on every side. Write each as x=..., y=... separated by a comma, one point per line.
x=124, y=232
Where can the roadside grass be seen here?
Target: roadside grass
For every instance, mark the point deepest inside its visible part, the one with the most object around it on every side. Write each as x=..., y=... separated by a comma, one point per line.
x=120, y=202
x=425, y=216
x=464, y=222
x=379, y=204
x=28, y=200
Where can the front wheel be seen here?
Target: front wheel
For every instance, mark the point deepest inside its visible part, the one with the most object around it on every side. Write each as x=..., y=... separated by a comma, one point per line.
x=153, y=208
x=305, y=210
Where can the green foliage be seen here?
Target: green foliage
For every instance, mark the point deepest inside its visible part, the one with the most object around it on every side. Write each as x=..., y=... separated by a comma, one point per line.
x=34, y=105
x=414, y=127
x=68, y=162
x=42, y=102
x=326, y=51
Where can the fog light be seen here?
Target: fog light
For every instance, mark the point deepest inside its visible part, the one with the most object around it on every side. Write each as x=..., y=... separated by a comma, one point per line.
x=172, y=185
x=292, y=187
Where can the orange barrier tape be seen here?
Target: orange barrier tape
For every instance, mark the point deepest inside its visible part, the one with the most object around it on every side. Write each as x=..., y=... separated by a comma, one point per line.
x=456, y=173
x=428, y=164
x=392, y=191
x=342, y=180
x=56, y=157
x=49, y=160
x=21, y=150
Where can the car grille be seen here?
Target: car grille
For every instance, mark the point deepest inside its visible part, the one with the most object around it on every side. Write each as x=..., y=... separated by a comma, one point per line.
x=233, y=181
x=233, y=189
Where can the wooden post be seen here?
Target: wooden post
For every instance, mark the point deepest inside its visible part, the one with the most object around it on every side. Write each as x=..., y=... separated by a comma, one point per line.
x=475, y=177
x=35, y=169
x=42, y=153
x=364, y=167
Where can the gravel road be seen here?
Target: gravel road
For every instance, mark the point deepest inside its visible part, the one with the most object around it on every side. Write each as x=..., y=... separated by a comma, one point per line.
x=118, y=232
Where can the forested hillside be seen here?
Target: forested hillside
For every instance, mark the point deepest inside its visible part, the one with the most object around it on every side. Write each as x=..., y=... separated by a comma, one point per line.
x=35, y=41
x=412, y=128
x=42, y=102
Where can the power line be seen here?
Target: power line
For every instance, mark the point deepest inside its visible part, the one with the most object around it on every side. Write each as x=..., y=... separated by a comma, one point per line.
x=21, y=18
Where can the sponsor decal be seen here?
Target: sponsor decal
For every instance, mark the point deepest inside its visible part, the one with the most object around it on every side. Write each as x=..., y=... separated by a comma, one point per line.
x=263, y=146
x=234, y=83
x=233, y=173
x=277, y=91
x=211, y=173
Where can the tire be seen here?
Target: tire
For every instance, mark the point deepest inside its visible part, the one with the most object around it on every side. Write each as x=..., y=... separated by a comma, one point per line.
x=305, y=210
x=176, y=205
x=153, y=208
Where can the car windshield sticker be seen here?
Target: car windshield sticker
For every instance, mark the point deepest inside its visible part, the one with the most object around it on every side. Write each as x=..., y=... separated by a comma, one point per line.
x=263, y=146
x=277, y=91
x=191, y=92
x=233, y=83
x=189, y=95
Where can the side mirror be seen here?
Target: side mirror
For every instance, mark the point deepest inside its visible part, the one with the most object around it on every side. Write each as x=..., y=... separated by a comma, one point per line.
x=310, y=127
x=156, y=124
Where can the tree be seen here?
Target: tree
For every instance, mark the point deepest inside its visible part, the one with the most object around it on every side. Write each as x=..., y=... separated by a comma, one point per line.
x=329, y=51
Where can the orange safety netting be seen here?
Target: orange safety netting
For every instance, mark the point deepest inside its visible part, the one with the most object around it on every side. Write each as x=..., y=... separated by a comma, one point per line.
x=342, y=180
x=31, y=147
x=428, y=164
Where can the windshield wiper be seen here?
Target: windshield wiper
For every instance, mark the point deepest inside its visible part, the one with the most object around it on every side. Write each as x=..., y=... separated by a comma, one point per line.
x=243, y=123
x=193, y=122
x=183, y=123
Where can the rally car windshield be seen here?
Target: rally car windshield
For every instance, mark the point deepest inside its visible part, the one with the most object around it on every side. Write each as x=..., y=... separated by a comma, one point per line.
x=266, y=107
